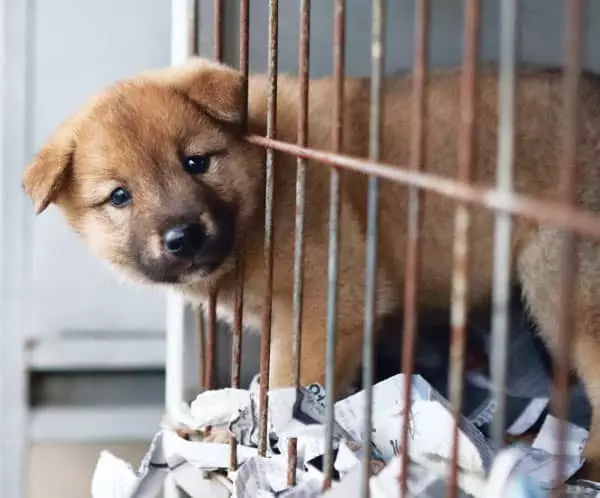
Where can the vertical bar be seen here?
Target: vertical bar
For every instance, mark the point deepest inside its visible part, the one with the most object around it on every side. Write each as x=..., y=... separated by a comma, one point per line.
x=460, y=277
x=238, y=325
x=244, y=57
x=238, y=321
x=501, y=288
x=375, y=125
x=292, y=461
x=218, y=31
x=301, y=185
x=334, y=234
x=568, y=254
x=413, y=262
x=265, y=349
x=211, y=341
x=193, y=12
x=200, y=326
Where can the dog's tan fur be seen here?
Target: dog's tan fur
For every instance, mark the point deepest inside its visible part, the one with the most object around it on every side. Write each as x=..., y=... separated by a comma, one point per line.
x=130, y=134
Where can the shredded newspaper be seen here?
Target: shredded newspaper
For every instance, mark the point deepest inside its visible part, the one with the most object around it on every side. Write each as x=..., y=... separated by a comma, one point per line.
x=200, y=467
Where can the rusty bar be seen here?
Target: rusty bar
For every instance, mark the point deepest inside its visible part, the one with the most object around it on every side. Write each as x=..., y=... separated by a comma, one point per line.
x=301, y=185
x=568, y=253
x=211, y=341
x=233, y=461
x=244, y=57
x=193, y=12
x=292, y=461
x=238, y=321
x=218, y=29
x=460, y=277
x=375, y=126
x=236, y=346
x=501, y=284
x=555, y=214
x=265, y=345
x=413, y=262
x=238, y=325
x=334, y=234
x=200, y=322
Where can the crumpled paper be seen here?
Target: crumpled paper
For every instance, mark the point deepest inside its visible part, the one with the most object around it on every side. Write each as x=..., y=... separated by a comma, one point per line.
x=301, y=414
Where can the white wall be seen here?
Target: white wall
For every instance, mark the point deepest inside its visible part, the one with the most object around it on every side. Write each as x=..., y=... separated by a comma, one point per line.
x=78, y=47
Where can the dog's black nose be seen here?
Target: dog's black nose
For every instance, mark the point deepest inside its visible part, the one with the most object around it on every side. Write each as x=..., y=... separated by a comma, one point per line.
x=184, y=240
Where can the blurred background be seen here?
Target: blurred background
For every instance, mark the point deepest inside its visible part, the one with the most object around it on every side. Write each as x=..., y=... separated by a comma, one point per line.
x=82, y=354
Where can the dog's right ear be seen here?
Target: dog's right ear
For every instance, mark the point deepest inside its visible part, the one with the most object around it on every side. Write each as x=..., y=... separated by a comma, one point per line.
x=47, y=175
x=216, y=88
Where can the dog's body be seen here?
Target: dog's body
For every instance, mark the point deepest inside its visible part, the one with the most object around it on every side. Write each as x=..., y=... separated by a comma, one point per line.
x=136, y=133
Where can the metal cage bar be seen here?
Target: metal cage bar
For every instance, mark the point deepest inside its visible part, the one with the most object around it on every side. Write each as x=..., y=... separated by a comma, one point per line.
x=211, y=341
x=501, y=285
x=462, y=229
x=218, y=29
x=413, y=263
x=556, y=214
x=265, y=349
x=568, y=252
x=334, y=232
x=238, y=322
x=304, y=69
x=375, y=139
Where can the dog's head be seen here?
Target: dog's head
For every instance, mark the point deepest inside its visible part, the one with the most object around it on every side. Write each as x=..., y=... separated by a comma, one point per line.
x=154, y=173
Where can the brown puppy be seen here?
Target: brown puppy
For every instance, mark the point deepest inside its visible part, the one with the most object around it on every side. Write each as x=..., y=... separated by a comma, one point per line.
x=155, y=174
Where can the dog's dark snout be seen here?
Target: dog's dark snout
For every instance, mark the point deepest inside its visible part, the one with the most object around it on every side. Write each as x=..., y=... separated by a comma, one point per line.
x=184, y=240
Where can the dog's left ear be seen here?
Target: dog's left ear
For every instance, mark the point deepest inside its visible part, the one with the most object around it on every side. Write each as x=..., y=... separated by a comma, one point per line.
x=47, y=175
x=214, y=87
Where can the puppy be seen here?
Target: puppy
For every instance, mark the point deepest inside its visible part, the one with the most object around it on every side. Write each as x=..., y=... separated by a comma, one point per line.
x=155, y=174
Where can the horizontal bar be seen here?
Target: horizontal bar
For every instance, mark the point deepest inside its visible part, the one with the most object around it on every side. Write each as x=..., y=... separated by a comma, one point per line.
x=557, y=214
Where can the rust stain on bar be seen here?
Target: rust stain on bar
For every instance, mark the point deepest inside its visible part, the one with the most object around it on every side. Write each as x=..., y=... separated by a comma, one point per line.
x=238, y=322
x=238, y=325
x=334, y=233
x=292, y=461
x=413, y=262
x=244, y=57
x=265, y=345
x=193, y=10
x=211, y=341
x=460, y=277
x=555, y=214
x=233, y=461
x=568, y=265
x=218, y=29
x=199, y=318
x=304, y=58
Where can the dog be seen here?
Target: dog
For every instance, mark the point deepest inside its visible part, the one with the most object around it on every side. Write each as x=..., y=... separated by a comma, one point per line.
x=155, y=174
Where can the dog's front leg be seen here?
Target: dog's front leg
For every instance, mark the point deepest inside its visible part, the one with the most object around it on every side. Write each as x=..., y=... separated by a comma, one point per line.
x=313, y=362
x=540, y=271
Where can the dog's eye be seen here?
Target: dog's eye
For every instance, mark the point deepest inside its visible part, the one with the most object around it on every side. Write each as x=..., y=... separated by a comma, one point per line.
x=120, y=197
x=196, y=165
